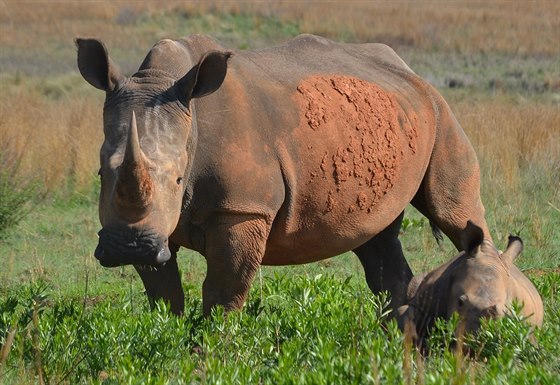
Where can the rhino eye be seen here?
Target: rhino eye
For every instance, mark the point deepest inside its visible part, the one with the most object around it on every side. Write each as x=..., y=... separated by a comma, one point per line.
x=461, y=301
x=179, y=180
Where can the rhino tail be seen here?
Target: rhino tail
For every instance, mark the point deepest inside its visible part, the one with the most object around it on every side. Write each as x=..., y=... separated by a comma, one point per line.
x=436, y=232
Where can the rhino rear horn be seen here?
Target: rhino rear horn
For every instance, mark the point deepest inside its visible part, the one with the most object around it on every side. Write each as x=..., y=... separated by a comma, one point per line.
x=95, y=65
x=471, y=237
x=514, y=248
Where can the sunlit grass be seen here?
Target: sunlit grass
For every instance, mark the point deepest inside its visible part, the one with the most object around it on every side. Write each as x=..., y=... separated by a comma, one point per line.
x=293, y=330
x=527, y=28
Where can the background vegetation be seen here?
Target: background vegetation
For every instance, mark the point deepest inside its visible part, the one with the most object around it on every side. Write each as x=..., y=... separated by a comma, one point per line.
x=64, y=319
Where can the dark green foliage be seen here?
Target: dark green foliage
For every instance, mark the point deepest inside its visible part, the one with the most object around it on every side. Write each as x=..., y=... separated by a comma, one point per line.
x=293, y=330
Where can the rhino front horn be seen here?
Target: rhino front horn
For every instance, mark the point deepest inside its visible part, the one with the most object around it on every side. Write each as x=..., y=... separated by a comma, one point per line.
x=134, y=187
x=133, y=153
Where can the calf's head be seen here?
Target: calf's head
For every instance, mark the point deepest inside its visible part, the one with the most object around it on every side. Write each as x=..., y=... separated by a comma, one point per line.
x=479, y=282
x=148, y=145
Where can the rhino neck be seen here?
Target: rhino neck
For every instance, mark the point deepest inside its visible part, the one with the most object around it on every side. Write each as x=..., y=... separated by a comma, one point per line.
x=191, y=151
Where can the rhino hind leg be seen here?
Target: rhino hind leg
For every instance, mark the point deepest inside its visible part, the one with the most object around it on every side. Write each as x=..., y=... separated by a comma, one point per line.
x=384, y=264
x=449, y=194
x=235, y=246
x=164, y=282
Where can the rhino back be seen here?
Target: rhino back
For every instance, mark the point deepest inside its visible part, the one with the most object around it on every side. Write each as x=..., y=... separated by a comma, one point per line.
x=523, y=290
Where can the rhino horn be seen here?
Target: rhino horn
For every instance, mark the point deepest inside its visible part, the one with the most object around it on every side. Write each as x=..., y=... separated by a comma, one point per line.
x=134, y=187
x=514, y=248
x=133, y=153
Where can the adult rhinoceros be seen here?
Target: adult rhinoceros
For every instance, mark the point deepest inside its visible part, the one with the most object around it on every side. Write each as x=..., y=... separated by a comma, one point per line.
x=276, y=156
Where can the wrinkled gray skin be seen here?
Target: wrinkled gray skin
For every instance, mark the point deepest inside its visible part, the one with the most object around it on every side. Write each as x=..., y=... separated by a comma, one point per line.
x=219, y=154
x=478, y=283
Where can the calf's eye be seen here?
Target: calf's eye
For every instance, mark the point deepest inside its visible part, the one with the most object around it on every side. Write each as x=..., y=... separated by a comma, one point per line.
x=461, y=301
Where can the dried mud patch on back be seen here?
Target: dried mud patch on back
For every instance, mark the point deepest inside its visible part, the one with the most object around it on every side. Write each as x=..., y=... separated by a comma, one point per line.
x=369, y=131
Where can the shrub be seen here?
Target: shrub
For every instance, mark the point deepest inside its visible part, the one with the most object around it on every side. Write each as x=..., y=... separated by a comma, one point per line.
x=294, y=330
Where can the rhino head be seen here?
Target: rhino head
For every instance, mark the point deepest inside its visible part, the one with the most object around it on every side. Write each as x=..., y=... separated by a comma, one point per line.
x=480, y=282
x=148, y=147
x=479, y=285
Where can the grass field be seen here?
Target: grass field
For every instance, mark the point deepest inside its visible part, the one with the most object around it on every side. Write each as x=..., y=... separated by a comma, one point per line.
x=66, y=320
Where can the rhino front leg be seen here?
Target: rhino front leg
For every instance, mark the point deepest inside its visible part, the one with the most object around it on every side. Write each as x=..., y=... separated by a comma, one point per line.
x=235, y=247
x=384, y=264
x=164, y=282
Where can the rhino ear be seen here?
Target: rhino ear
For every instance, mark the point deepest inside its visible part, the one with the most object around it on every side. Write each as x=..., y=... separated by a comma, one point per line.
x=471, y=237
x=96, y=66
x=514, y=248
x=205, y=77
x=406, y=320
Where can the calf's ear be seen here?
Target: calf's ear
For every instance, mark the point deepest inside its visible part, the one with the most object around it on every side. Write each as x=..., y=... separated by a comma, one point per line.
x=406, y=320
x=471, y=237
x=96, y=66
x=413, y=286
x=514, y=248
x=205, y=77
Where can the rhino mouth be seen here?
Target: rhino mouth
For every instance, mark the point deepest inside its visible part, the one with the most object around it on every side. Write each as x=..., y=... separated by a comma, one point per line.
x=131, y=247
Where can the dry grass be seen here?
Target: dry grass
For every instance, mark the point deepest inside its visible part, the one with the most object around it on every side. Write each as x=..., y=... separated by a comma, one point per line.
x=521, y=27
x=57, y=126
x=518, y=144
x=513, y=137
x=58, y=139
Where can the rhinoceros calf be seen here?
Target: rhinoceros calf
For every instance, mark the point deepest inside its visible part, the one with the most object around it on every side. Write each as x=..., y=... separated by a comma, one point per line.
x=282, y=155
x=480, y=282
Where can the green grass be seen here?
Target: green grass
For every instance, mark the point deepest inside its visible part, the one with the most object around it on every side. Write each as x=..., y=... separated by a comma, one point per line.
x=294, y=330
